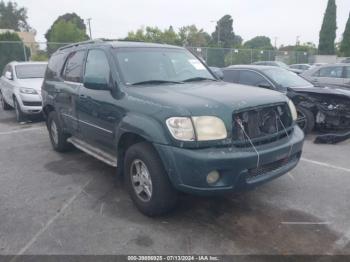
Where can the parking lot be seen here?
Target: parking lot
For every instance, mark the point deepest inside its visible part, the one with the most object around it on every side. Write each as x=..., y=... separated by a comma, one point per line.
x=53, y=203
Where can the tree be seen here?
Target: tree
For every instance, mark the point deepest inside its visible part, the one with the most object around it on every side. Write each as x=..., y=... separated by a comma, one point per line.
x=68, y=28
x=259, y=42
x=194, y=37
x=13, y=17
x=12, y=51
x=345, y=44
x=223, y=33
x=328, y=31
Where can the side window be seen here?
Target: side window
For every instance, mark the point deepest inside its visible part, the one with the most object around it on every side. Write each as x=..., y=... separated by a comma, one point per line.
x=333, y=71
x=73, y=69
x=347, y=72
x=252, y=79
x=231, y=76
x=316, y=74
x=54, y=66
x=97, y=66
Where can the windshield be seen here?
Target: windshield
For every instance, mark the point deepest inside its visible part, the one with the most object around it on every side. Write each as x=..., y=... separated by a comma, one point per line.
x=30, y=71
x=160, y=65
x=286, y=78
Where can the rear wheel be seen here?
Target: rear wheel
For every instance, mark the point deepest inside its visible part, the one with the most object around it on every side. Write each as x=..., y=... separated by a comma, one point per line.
x=306, y=119
x=57, y=137
x=147, y=181
x=20, y=116
x=4, y=105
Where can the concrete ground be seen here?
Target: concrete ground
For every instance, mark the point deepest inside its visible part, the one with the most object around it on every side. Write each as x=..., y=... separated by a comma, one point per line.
x=53, y=203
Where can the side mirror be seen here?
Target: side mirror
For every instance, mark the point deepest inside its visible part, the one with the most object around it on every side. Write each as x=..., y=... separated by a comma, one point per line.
x=9, y=75
x=96, y=83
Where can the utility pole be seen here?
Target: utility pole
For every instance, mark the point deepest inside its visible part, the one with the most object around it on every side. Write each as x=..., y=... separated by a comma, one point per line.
x=298, y=40
x=89, y=25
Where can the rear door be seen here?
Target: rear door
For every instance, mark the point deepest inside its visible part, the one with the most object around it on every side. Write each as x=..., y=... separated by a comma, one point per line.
x=329, y=76
x=68, y=89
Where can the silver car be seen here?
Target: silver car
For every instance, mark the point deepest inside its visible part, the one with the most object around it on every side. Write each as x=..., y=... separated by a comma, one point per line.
x=332, y=75
x=20, y=88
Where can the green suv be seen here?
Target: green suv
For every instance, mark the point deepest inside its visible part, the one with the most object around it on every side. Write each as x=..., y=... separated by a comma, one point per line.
x=158, y=114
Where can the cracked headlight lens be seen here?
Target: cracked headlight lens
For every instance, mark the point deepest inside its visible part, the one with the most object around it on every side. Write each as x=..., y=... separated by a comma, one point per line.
x=181, y=128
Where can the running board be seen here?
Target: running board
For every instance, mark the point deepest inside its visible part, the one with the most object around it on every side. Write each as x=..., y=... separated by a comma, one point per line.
x=93, y=151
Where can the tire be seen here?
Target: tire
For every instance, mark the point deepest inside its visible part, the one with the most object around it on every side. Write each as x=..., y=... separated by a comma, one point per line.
x=306, y=120
x=20, y=116
x=57, y=137
x=163, y=197
x=5, y=106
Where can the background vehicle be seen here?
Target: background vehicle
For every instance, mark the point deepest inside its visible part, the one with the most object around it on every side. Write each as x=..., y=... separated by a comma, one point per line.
x=336, y=75
x=302, y=67
x=278, y=64
x=163, y=119
x=20, y=88
x=323, y=107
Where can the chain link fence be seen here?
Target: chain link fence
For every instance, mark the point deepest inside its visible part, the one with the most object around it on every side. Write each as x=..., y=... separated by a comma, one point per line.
x=222, y=57
x=218, y=57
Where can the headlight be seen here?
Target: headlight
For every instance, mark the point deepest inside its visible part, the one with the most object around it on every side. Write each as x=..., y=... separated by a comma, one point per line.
x=181, y=128
x=30, y=91
x=206, y=128
x=209, y=128
x=293, y=110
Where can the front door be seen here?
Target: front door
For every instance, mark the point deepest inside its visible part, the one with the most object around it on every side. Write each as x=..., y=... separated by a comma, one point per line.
x=97, y=109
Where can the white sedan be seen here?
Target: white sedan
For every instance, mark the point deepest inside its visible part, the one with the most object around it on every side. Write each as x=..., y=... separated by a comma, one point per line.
x=20, y=88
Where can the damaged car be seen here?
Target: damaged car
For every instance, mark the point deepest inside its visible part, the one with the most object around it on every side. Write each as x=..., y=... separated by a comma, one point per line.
x=162, y=118
x=324, y=108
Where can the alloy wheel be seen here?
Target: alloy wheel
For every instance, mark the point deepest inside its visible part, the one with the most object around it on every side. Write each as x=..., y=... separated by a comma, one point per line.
x=141, y=180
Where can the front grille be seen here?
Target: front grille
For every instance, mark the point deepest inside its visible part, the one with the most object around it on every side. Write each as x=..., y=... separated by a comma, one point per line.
x=261, y=171
x=261, y=125
x=32, y=103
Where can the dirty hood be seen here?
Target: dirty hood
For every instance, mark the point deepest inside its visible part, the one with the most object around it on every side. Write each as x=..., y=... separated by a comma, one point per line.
x=205, y=98
x=342, y=92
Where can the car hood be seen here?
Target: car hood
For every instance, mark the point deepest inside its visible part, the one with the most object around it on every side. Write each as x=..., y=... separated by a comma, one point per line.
x=344, y=92
x=205, y=98
x=34, y=83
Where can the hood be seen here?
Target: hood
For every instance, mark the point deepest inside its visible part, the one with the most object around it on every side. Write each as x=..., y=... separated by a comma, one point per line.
x=206, y=97
x=344, y=92
x=34, y=83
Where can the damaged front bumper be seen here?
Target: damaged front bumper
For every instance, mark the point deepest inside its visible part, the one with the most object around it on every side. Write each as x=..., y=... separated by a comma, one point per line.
x=239, y=168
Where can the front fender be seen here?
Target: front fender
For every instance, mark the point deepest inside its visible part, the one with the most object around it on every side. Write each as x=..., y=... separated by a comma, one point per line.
x=149, y=128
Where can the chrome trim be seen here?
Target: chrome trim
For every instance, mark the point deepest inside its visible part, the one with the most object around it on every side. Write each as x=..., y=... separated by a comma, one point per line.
x=87, y=123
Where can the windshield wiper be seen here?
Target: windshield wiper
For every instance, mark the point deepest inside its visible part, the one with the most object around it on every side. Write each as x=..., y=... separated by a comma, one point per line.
x=156, y=82
x=194, y=79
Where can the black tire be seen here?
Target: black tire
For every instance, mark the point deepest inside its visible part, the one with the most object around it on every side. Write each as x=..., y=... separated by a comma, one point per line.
x=306, y=119
x=58, y=140
x=164, y=196
x=20, y=116
x=5, y=106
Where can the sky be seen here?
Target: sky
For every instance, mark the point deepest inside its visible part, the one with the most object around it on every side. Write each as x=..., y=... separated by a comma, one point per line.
x=282, y=19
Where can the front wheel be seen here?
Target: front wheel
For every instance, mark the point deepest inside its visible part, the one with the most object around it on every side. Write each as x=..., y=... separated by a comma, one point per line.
x=20, y=116
x=306, y=119
x=147, y=181
x=4, y=105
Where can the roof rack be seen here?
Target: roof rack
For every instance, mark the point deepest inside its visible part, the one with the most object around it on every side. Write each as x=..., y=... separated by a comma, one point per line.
x=95, y=41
